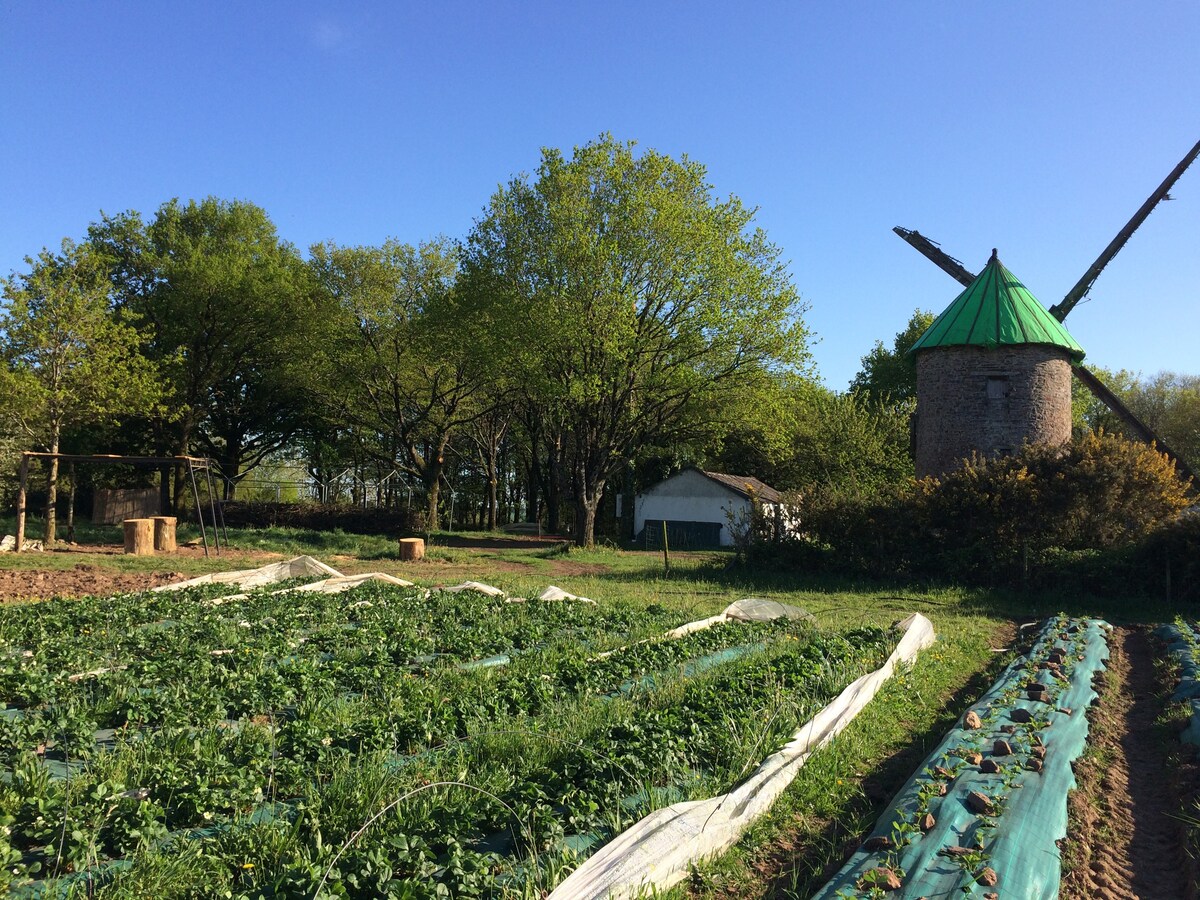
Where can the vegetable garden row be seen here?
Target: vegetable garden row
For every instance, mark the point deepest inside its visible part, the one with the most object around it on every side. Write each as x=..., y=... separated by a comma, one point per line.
x=385, y=741
x=983, y=815
x=367, y=738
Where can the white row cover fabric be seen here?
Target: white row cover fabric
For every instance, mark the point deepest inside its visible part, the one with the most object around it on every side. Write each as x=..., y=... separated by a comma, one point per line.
x=334, y=585
x=554, y=594
x=478, y=586
x=8, y=544
x=657, y=852
x=751, y=609
x=250, y=578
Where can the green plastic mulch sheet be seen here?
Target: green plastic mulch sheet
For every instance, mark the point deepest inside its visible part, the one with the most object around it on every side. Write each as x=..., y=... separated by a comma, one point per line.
x=936, y=841
x=1182, y=642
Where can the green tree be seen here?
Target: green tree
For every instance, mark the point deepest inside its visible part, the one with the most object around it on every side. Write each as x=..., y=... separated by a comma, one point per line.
x=71, y=361
x=891, y=375
x=231, y=312
x=805, y=437
x=1169, y=403
x=627, y=298
x=851, y=443
x=401, y=366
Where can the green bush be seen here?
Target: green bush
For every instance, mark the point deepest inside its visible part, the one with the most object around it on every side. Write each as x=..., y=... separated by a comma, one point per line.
x=1097, y=511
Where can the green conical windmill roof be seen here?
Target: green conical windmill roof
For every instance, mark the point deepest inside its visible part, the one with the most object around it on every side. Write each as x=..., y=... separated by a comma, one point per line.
x=996, y=310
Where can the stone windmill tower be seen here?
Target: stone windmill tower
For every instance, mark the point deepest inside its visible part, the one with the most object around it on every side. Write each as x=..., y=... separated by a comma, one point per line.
x=993, y=373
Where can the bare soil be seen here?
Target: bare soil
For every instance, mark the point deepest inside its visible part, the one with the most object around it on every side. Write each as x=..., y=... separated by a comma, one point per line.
x=1124, y=839
x=80, y=581
x=95, y=577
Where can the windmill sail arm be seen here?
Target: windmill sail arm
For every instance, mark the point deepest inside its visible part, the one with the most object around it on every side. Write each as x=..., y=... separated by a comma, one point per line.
x=936, y=255
x=1138, y=428
x=1077, y=293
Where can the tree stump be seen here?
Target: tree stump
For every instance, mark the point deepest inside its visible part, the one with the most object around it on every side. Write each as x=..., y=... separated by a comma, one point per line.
x=412, y=548
x=164, y=533
x=139, y=537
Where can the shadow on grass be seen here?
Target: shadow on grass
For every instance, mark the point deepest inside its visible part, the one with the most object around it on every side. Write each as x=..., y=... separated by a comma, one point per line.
x=1022, y=605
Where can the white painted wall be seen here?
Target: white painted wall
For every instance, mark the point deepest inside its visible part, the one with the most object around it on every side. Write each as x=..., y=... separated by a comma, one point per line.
x=689, y=497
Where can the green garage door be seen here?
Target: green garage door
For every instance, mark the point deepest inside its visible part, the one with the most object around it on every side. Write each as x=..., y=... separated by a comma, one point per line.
x=681, y=535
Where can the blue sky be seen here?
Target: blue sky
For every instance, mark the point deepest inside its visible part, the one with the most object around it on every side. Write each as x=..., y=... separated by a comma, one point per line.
x=1037, y=128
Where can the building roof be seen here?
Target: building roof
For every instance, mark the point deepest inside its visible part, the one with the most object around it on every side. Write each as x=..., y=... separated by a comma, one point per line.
x=745, y=485
x=995, y=310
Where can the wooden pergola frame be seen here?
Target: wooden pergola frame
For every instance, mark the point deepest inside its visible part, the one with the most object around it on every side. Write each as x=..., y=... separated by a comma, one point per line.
x=194, y=464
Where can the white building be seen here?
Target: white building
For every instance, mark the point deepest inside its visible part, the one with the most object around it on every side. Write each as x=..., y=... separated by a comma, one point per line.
x=697, y=507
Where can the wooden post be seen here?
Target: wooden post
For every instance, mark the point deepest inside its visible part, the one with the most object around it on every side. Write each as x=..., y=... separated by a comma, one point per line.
x=164, y=533
x=666, y=550
x=23, y=479
x=139, y=537
x=411, y=548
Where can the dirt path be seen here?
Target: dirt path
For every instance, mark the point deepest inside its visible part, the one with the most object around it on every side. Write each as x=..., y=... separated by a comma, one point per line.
x=1123, y=839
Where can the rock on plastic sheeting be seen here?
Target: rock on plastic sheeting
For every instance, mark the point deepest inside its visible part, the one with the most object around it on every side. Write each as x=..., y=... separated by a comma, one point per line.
x=1021, y=848
x=249, y=578
x=658, y=851
x=553, y=594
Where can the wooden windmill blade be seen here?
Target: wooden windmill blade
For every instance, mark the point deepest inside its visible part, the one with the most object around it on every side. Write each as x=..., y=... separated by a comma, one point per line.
x=1137, y=428
x=935, y=254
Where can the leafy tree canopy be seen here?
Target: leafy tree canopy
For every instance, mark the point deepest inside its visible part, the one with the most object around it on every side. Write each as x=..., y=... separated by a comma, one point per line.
x=891, y=375
x=69, y=361
x=229, y=309
x=1169, y=403
x=806, y=436
x=628, y=298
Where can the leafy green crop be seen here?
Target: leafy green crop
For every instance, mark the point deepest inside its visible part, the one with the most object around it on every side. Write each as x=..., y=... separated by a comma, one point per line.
x=279, y=744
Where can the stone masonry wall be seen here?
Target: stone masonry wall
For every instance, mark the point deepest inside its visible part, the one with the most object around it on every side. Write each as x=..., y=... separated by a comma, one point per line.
x=989, y=400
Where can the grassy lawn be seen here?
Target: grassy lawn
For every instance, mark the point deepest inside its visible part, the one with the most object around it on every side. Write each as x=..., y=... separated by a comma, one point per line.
x=841, y=791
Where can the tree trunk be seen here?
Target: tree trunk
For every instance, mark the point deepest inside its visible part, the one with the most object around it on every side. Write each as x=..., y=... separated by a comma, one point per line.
x=164, y=489
x=493, y=478
x=52, y=489
x=231, y=467
x=185, y=439
x=164, y=533
x=553, y=485
x=532, y=512
x=587, y=502
x=433, y=483
x=71, y=503
x=411, y=549
x=139, y=536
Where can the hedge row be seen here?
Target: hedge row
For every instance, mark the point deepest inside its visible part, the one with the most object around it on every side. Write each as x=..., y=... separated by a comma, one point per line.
x=1102, y=514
